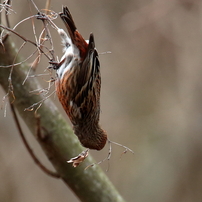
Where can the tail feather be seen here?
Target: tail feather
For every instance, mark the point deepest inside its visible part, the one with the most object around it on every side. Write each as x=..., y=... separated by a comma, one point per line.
x=69, y=22
x=75, y=36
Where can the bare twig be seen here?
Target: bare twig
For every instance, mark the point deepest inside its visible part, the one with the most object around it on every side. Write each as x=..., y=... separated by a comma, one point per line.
x=110, y=153
x=107, y=158
x=36, y=160
x=25, y=40
x=31, y=108
x=126, y=148
x=6, y=13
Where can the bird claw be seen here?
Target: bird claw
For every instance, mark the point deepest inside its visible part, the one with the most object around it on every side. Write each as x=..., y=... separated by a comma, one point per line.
x=56, y=65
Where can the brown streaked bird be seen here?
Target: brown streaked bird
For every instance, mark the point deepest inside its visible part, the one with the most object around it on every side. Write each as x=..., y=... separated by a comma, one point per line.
x=78, y=84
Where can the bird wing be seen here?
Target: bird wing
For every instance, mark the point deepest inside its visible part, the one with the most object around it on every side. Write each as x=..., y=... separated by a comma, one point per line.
x=89, y=82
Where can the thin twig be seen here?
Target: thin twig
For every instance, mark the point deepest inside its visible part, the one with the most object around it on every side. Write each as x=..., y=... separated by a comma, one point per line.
x=42, y=36
x=30, y=108
x=110, y=153
x=7, y=12
x=106, y=158
x=19, y=63
x=26, y=40
x=126, y=148
x=36, y=160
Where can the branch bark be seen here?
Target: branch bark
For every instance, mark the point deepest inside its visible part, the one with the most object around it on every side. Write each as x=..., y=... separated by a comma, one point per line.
x=58, y=142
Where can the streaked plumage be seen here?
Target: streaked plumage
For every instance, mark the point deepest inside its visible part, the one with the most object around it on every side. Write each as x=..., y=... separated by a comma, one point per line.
x=78, y=84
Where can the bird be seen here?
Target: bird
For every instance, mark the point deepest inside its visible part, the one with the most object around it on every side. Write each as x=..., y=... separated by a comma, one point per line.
x=78, y=84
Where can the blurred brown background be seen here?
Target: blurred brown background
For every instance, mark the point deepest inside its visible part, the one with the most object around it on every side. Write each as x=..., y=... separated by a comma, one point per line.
x=151, y=101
